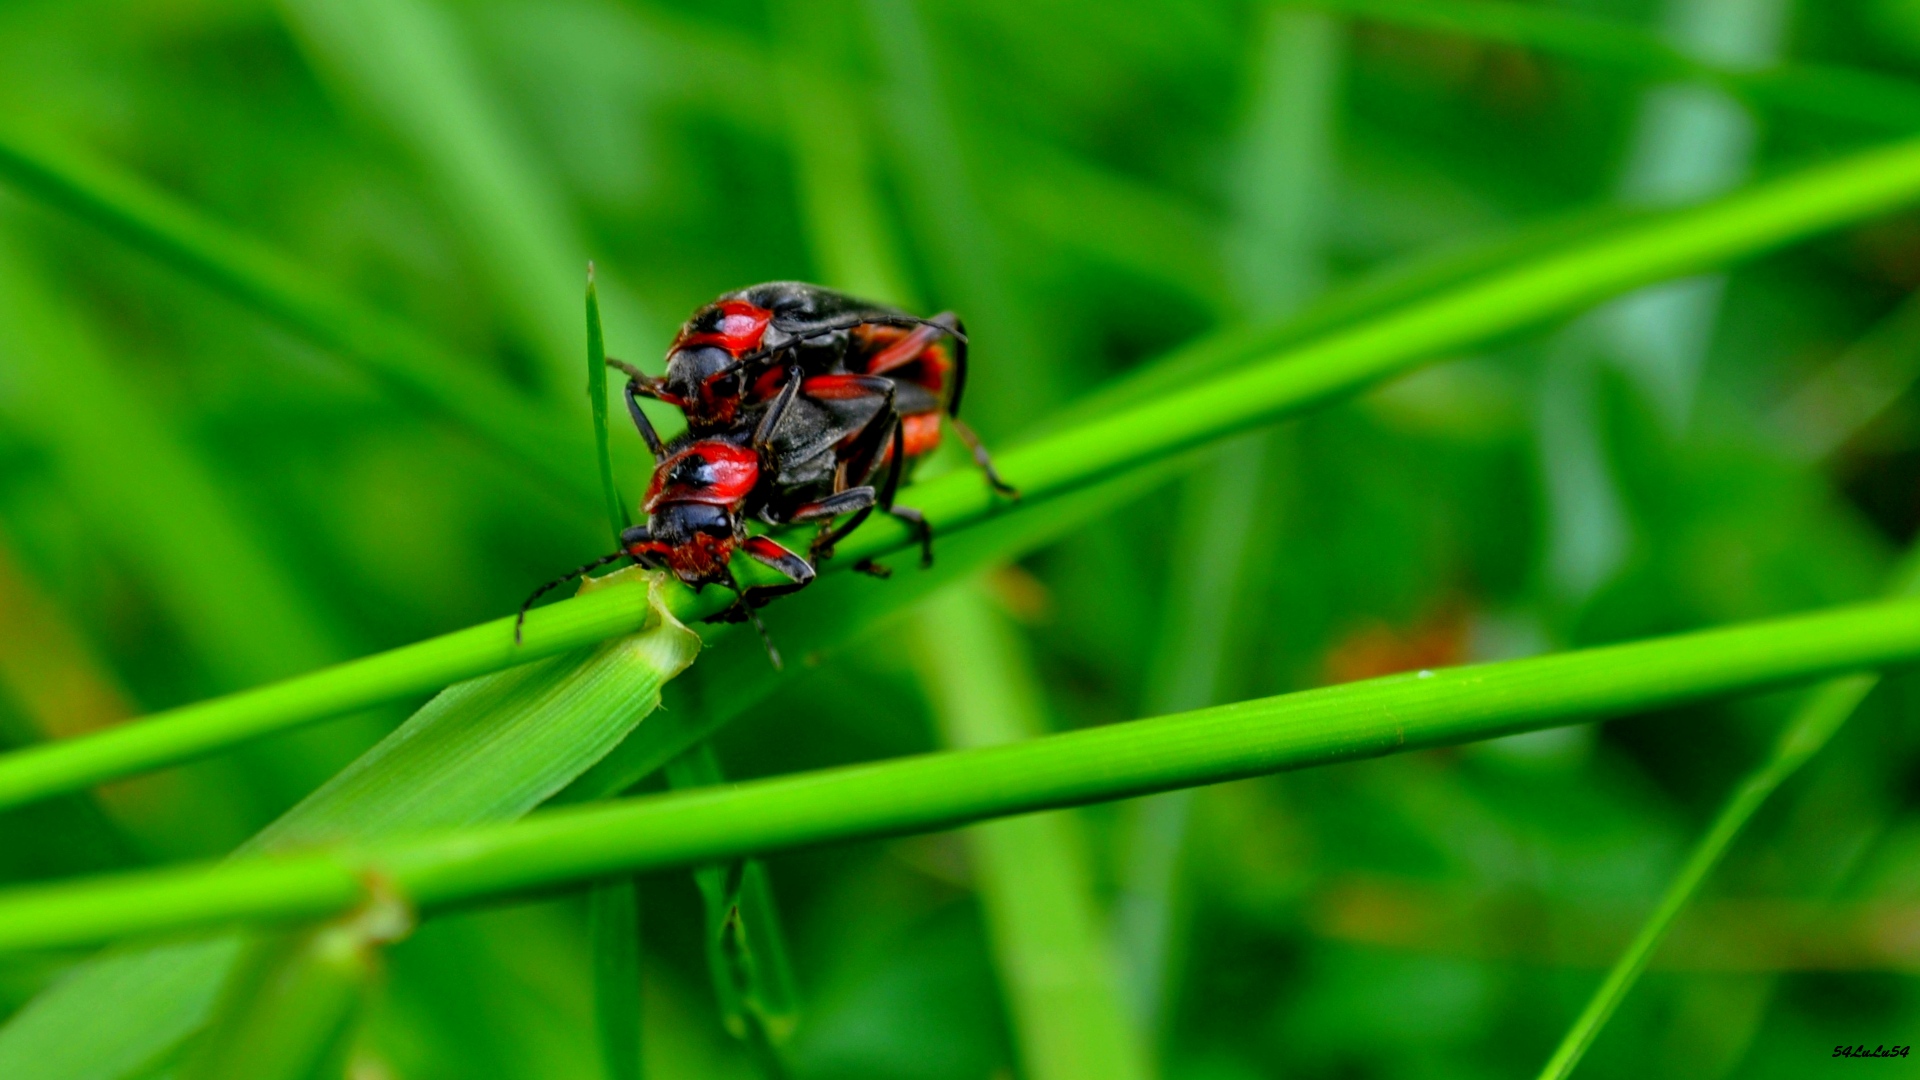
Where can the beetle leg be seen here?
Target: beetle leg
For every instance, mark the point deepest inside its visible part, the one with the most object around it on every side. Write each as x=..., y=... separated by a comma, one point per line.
x=982, y=458
x=840, y=502
x=741, y=610
x=768, y=552
x=885, y=424
x=914, y=519
x=857, y=500
x=958, y=331
x=770, y=420
x=659, y=449
x=863, y=452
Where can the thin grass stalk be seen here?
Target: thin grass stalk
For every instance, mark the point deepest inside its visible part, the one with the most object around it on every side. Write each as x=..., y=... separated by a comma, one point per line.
x=1285, y=170
x=937, y=791
x=1824, y=710
x=613, y=907
x=1031, y=873
x=1300, y=377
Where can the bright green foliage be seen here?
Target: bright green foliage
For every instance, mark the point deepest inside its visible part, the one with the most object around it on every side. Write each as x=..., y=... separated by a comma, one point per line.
x=1843, y=94
x=1299, y=377
x=290, y=350
x=425, y=374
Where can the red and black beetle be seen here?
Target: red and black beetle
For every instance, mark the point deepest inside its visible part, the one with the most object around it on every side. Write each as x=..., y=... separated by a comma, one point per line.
x=705, y=489
x=796, y=396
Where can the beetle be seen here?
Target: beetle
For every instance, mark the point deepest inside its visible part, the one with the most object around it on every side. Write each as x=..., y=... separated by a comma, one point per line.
x=736, y=354
x=705, y=489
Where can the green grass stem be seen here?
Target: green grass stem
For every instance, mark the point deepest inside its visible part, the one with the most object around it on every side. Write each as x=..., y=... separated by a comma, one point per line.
x=193, y=731
x=1389, y=715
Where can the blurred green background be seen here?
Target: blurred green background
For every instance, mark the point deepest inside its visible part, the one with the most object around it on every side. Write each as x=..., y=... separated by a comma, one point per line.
x=194, y=498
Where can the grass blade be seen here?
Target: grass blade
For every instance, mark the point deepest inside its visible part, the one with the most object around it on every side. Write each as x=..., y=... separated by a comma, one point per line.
x=613, y=907
x=1031, y=872
x=418, y=372
x=959, y=241
x=1305, y=375
x=935, y=791
x=597, y=400
x=486, y=750
x=155, y=505
x=1825, y=709
x=613, y=930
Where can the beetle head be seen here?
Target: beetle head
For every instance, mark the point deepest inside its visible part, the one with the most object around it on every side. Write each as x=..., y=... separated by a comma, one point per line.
x=694, y=540
x=706, y=382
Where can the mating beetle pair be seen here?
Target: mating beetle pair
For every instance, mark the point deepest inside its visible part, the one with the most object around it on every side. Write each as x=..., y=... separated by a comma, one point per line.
x=796, y=398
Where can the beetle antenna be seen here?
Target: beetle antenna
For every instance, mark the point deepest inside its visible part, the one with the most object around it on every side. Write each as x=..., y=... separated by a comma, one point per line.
x=766, y=639
x=633, y=372
x=520, y=620
x=752, y=616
